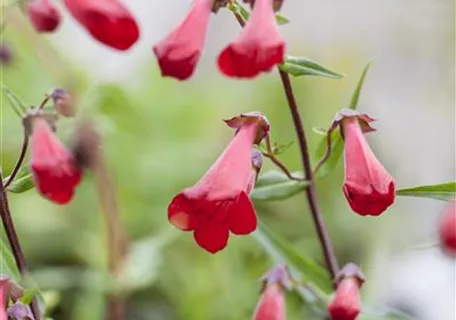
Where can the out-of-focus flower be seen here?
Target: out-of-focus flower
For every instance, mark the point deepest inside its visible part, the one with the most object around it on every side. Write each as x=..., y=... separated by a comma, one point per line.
x=179, y=53
x=219, y=202
x=346, y=304
x=108, y=21
x=63, y=102
x=44, y=15
x=258, y=48
x=448, y=229
x=368, y=187
x=54, y=169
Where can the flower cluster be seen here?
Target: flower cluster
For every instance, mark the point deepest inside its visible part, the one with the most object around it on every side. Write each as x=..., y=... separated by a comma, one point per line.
x=108, y=21
x=258, y=48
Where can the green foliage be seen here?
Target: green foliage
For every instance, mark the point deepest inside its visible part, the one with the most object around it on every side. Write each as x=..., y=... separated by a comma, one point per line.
x=7, y=262
x=22, y=182
x=281, y=251
x=281, y=20
x=275, y=185
x=442, y=191
x=302, y=66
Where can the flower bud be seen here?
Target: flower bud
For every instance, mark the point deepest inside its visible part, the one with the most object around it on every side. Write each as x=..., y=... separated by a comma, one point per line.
x=346, y=304
x=63, y=102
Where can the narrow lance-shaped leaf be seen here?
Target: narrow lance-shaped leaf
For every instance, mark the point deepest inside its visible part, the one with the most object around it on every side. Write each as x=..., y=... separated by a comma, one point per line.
x=7, y=262
x=281, y=251
x=444, y=191
x=22, y=184
x=302, y=66
x=275, y=185
x=329, y=154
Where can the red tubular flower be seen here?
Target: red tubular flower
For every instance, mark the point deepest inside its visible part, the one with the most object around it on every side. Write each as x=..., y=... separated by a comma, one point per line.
x=53, y=166
x=346, y=304
x=44, y=15
x=272, y=304
x=108, y=21
x=219, y=202
x=448, y=229
x=4, y=290
x=368, y=187
x=179, y=53
x=259, y=47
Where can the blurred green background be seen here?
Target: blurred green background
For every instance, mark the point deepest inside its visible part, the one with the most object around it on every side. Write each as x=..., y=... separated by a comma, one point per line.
x=161, y=136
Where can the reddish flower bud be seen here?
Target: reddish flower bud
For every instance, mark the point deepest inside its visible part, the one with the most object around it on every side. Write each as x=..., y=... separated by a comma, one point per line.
x=44, y=15
x=108, y=21
x=272, y=304
x=179, y=53
x=448, y=229
x=368, y=187
x=53, y=166
x=63, y=102
x=346, y=304
x=259, y=47
x=219, y=202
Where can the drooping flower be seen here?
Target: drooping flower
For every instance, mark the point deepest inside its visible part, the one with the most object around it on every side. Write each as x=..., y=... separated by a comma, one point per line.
x=346, y=304
x=179, y=53
x=258, y=48
x=44, y=15
x=368, y=187
x=448, y=229
x=54, y=169
x=219, y=203
x=108, y=21
x=271, y=305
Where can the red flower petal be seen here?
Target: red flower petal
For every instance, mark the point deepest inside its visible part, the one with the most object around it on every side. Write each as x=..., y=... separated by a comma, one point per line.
x=179, y=53
x=181, y=213
x=242, y=216
x=108, y=21
x=211, y=236
x=44, y=16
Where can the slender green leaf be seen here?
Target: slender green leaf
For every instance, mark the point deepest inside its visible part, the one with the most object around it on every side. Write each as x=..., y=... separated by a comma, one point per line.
x=301, y=66
x=22, y=184
x=7, y=262
x=28, y=295
x=337, y=148
x=444, y=191
x=281, y=20
x=275, y=185
x=281, y=251
x=355, y=96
